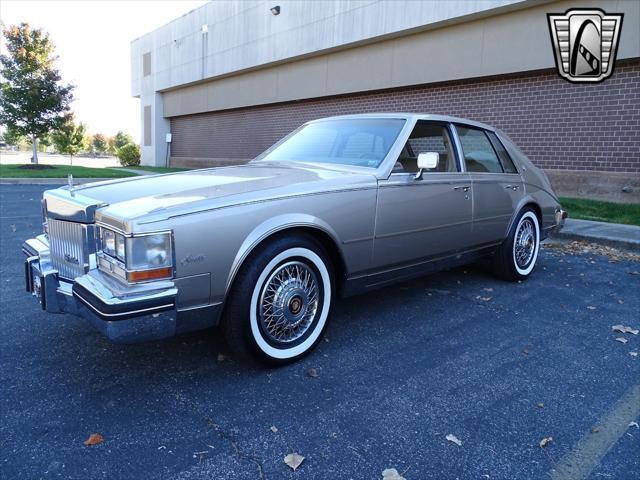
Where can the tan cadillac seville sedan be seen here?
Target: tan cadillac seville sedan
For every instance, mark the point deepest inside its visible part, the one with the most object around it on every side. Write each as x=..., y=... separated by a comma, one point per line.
x=340, y=206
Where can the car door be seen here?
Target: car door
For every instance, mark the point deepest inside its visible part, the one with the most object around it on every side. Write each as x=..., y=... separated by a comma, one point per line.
x=497, y=185
x=419, y=219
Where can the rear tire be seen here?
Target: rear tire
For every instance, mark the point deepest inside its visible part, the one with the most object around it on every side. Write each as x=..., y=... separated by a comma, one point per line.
x=280, y=301
x=516, y=258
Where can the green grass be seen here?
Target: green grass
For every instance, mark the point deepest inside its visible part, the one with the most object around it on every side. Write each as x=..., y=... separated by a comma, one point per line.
x=600, y=211
x=157, y=169
x=61, y=171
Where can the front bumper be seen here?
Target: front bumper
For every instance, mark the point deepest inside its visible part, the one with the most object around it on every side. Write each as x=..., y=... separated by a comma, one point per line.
x=123, y=314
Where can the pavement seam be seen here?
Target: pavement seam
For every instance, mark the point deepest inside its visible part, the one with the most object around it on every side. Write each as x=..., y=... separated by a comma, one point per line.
x=223, y=434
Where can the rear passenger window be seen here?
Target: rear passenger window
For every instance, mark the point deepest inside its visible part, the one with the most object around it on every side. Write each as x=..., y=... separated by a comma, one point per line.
x=479, y=155
x=507, y=163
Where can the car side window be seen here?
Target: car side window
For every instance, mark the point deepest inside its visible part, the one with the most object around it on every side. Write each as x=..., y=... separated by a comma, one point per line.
x=427, y=137
x=507, y=163
x=479, y=155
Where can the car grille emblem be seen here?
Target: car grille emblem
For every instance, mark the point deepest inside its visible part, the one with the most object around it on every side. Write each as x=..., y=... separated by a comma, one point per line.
x=585, y=42
x=71, y=259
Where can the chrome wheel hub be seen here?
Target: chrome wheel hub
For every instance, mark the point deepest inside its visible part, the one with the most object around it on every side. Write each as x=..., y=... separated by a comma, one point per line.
x=288, y=302
x=525, y=243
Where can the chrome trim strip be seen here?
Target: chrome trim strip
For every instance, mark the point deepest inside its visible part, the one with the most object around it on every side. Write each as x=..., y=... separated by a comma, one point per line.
x=128, y=313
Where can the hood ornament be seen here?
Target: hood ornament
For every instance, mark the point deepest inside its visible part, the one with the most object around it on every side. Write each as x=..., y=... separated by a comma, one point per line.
x=70, y=183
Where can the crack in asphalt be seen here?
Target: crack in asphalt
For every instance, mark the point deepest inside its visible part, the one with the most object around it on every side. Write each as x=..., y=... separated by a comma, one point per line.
x=223, y=434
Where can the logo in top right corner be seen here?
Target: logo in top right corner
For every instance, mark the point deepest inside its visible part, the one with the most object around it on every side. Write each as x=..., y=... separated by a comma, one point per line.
x=585, y=42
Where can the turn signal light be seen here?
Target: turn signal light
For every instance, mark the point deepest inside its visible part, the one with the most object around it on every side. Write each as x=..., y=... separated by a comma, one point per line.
x=145, y=275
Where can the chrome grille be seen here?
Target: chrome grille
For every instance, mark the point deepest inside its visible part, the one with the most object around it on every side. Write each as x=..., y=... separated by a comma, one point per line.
x=67, y=244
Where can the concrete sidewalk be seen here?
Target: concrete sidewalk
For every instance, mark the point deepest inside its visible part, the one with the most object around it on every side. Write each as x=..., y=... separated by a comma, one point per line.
x=612, y=234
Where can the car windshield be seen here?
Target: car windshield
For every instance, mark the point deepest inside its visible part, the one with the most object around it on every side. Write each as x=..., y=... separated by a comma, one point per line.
x=360, y=142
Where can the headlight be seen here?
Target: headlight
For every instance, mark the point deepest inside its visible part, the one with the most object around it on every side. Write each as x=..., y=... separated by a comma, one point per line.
x=145, y=257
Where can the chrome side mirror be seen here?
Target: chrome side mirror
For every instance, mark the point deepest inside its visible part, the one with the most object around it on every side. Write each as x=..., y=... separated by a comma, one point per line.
x=428, y=161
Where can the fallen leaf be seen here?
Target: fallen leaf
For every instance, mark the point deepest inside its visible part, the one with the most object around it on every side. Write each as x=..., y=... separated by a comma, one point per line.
x=312, y=372
x=221, y=357
x=591, y=307
x=525, y=351
x=541, y=405
x=621, y=340
x=634, y=273
x=94, y=439
x=633, y=354
x=545, y=441
x=294, y=460
x=391, y=474
x=453, y=439
x=274, y=429
x=623, y=329
x=595, y=430
x=485, y=299
x=620, y=302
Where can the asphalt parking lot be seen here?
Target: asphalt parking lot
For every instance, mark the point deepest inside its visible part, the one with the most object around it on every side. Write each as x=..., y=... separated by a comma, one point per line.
x=499, y=365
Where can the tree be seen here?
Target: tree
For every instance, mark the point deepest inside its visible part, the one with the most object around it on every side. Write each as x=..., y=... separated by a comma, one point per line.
x=33, y=100
x=13, y=138
x=99, y=143
x=69, y=138
x=121, y=139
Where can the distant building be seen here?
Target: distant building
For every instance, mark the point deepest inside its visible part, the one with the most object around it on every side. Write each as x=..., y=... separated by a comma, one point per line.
x=230, y=78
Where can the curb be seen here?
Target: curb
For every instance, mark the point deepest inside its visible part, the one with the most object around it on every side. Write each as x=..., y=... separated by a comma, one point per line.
x=52, y=181
x=625, y=237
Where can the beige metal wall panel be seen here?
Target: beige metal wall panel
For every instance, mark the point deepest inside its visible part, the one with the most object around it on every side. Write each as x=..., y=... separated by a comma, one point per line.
x=507, y=43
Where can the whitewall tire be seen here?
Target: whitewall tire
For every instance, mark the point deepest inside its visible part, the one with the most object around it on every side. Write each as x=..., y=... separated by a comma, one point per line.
x=280, y=301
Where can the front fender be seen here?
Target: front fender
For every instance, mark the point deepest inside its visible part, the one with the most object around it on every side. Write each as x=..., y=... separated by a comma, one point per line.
x=272, y=226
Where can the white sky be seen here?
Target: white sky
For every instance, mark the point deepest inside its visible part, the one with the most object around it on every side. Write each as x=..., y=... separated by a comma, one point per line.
x=92, y=40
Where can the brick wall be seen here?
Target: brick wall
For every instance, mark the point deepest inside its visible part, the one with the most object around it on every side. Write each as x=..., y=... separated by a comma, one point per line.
x=558, y=124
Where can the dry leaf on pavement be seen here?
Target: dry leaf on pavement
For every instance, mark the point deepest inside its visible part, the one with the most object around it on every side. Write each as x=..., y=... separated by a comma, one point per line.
x=274, y=429
x=621, y=340
x=312, y=372
x=453, y=439
x=623, y=329
x=545, y=441
x=94, y=439
x=541, y=405
x=633, y=354
x=221, y=357
x=294, y=460
x=391, y=474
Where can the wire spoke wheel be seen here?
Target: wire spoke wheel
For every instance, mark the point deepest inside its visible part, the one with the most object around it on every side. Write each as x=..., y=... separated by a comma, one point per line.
x=525, y=243
x=289, y=302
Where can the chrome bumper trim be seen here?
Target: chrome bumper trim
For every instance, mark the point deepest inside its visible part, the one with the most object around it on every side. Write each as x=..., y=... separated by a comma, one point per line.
x=129, y=315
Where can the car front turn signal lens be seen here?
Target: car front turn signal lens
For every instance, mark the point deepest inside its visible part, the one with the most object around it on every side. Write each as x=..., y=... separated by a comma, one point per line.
x=147, y=275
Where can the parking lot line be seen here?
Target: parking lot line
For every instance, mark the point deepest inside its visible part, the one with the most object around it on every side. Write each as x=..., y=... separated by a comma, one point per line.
x=591, y=448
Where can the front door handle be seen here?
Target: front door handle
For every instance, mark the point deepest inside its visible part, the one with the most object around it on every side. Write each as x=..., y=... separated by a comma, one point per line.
x=464, y=188
x=512, y=187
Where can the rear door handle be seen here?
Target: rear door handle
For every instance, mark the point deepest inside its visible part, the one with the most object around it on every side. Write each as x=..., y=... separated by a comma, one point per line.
x=464, y=188
x=512, y=187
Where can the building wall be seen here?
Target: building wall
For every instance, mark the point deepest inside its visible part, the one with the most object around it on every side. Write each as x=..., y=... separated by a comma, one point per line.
x=559, y=125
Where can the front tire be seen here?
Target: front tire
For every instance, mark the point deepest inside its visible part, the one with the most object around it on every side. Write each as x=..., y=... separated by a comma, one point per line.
x=280, y=301
x=516, y=258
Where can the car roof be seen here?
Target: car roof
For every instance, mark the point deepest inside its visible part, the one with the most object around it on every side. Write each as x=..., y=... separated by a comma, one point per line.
x=410, y=116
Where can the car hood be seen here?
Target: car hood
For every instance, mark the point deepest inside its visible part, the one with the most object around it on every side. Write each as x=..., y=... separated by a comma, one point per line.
x=161, y=196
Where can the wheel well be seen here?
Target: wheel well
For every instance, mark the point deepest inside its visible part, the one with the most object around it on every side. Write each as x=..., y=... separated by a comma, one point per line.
x=536, y=208
x=327, y=242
